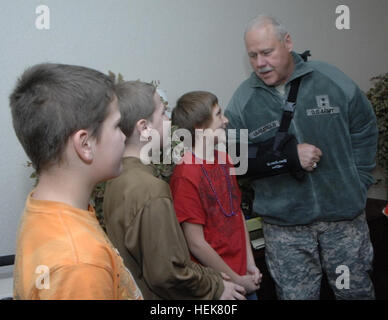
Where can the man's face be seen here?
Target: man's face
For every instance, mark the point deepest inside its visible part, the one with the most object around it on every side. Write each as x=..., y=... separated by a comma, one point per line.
x=269, y=57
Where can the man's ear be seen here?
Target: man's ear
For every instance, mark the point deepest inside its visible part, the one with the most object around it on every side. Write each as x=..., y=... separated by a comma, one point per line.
x=288, y=42
x=83, y=145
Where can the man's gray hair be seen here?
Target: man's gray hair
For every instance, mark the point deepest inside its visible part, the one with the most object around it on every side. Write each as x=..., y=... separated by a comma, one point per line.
x=264, y=19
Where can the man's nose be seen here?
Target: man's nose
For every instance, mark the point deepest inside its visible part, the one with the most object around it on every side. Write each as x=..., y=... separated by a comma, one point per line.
x=261, y=61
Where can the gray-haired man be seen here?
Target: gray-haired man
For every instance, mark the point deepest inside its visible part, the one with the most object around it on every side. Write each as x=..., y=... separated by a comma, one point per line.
x=318, y=222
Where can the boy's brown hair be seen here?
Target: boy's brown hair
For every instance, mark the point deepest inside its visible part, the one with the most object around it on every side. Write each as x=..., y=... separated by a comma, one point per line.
x=136, y=101
x=194, y=110
x=52, y=101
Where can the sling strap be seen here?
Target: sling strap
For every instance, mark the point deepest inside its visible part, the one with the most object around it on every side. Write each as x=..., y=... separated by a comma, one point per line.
x=288, y=113
x=289, y=107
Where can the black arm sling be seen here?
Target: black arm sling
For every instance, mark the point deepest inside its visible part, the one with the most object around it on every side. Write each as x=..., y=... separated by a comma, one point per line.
x=278, y=155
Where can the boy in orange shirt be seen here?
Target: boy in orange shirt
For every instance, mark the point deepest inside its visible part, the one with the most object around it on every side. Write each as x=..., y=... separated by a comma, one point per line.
x=66, y=118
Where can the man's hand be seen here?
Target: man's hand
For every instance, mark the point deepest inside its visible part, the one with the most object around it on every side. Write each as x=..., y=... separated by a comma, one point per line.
x=309, y=156
x=232, y=291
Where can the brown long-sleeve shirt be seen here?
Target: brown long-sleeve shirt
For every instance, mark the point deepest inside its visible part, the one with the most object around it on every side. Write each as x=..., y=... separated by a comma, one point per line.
x=142, y=224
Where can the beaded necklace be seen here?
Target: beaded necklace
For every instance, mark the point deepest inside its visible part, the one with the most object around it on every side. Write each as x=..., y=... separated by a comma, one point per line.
x=226, y=214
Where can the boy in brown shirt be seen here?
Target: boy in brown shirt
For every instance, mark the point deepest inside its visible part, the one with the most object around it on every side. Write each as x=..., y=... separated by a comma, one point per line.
x=140, y=216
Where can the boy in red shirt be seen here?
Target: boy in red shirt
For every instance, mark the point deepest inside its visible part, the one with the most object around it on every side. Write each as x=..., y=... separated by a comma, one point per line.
x=206, y=196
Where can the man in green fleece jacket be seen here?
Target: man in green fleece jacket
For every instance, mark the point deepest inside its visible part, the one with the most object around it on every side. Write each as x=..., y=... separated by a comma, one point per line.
x=317, y=223
x=140, y=216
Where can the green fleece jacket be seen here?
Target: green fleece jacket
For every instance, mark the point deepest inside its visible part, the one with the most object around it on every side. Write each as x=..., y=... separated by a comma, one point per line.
x=333, y=114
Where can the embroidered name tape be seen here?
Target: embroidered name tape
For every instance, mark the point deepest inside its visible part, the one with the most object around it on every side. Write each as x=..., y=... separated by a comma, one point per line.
x=264, y=129
x=322, y=111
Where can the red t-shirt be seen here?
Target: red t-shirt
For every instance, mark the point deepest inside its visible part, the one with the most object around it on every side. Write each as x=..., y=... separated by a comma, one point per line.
x=195, y=202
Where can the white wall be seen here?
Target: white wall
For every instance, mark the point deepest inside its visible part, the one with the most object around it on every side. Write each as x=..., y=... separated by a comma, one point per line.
x=187, y=45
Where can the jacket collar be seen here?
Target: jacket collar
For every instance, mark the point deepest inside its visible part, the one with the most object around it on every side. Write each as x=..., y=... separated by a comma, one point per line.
x=133, y=162
x=301, y=69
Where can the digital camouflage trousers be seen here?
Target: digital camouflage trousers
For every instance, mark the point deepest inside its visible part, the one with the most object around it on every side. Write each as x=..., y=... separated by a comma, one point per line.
x=296, y=257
